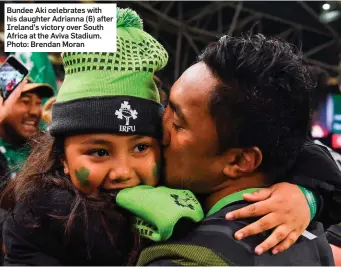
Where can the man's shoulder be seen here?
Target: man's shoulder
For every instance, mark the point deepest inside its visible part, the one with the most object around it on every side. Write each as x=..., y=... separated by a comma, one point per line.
x=333, y=234
x=311, y=248
x=308, y=162
x=209, y=243
x=212, y=242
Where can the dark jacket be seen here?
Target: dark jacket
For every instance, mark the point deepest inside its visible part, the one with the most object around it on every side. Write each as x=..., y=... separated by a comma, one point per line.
x=333, y=234
x=316, y=170
x=33, y=237
x=212, y=243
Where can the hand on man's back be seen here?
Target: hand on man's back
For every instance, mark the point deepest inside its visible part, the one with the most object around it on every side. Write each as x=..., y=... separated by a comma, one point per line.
x=287, y=216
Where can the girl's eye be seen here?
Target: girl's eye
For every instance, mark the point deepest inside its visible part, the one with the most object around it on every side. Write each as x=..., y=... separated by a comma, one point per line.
x=141, y=148
x=99, y=153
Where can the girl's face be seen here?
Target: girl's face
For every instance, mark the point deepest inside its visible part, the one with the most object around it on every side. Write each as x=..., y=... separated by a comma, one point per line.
x=109, y=161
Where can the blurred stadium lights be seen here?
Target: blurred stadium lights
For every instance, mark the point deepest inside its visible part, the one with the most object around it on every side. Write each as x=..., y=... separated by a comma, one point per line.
x=330, y=11
x=317, y=131
x=326, y=6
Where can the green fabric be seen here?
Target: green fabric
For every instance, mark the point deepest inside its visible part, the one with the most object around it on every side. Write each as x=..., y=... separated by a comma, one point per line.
x=183, y=255
x=311, y=198
x=43, y=126
x=111, y=88
x=130, y=17
x=159, y=209
x=40, y=67
x=15, y=157
x=238, y=196
x=128, y=72
x=312, y=201
x=108, y=83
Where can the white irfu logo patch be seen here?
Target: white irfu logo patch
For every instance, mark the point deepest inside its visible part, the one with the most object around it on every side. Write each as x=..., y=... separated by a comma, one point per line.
x=125, y=112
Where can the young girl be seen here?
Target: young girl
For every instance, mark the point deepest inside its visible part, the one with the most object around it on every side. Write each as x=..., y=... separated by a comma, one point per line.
x=104, y=136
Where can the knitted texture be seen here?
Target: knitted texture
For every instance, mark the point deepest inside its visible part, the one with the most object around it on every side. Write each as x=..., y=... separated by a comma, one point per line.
x=114, y=92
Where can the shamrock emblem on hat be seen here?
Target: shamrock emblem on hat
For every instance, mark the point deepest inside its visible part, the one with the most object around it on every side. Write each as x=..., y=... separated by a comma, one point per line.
x=183, y=202
x=126, y=112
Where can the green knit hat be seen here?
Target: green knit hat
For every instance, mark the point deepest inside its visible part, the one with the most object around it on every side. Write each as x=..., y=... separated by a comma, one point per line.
x=112, y=92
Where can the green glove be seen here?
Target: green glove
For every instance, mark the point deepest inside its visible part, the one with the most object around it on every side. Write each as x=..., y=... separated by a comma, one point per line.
x=158, y=209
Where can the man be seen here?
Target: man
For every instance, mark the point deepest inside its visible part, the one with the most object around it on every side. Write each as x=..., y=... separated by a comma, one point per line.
x=21, y=114
x=21, y=124
x=236, y=120
x=6, y=109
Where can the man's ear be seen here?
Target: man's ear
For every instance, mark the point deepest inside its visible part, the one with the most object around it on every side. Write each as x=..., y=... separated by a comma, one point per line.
x=242, y=160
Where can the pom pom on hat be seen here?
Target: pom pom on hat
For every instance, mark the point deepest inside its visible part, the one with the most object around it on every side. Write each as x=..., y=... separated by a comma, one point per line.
x=128, y=18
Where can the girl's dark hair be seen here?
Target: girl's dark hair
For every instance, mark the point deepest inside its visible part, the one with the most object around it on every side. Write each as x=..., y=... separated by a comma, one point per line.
x=44, y=171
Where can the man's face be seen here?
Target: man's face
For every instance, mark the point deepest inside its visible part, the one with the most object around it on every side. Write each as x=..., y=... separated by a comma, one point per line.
x=25, y=116
x=190, y=137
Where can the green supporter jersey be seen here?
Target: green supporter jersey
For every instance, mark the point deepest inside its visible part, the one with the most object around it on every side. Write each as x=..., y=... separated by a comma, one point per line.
x=15, y=157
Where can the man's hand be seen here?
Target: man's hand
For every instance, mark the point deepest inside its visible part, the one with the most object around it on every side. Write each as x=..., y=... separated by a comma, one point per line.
x=284, y=208
x=6, y=106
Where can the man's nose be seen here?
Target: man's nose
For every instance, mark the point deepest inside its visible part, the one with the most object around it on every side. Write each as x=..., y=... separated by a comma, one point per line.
x=35, y=110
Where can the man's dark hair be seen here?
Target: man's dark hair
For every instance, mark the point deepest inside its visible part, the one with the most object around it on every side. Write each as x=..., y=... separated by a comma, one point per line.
x=319, y=93
x=263, y=99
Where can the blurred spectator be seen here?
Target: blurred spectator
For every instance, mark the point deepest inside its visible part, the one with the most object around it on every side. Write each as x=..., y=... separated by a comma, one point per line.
x=20, y=124
x=47, y=110
x=6, y=106
x=5, y=110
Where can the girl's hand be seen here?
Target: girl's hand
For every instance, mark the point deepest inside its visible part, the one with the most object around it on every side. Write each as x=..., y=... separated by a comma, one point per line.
x=283, y=207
